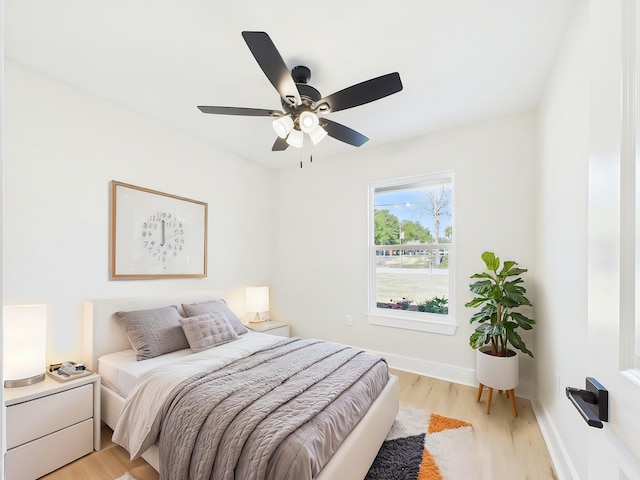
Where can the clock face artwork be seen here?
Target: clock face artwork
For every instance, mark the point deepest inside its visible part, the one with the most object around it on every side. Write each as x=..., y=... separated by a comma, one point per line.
x=163, y=236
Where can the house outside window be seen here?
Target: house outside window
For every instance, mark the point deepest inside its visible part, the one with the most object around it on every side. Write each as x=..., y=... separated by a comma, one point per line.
x=411, y=252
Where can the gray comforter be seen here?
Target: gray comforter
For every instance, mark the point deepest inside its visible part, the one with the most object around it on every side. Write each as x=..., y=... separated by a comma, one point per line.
x=278, y=414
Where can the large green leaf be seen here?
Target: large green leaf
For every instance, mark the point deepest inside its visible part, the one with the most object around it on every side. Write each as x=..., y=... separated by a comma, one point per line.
x=481, y=275
x=506, y=266
x=515, y=340
x=523, y=322
x=478, y=339
x=476, y=302
x=481, y=287
x=491, y=261
x=483, y=316
x=516, y=271
x=510, y=325
x=515, y=293
x=508, y=303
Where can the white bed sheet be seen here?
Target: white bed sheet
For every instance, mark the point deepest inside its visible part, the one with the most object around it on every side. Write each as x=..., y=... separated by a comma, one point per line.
x=120, y=370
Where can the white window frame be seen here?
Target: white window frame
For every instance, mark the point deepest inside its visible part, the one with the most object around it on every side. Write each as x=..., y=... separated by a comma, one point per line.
x=404, y=319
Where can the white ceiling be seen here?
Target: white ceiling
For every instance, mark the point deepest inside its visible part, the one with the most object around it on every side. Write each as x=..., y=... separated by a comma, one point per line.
x=460, y=61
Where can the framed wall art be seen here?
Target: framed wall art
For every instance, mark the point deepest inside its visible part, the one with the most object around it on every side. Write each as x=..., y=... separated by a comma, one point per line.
x=156, y=235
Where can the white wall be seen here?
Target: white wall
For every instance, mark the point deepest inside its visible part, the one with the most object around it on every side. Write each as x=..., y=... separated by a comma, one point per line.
x=321, y=236
x=561, y=246
x=2, y=415
x=62, y=149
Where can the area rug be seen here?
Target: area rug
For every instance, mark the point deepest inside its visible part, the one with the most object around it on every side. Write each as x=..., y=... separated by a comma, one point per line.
x=424, y=446
x=126, y=476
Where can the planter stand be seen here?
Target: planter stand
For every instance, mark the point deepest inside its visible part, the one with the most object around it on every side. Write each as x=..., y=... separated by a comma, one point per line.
x=500, y=373
x=511, y=394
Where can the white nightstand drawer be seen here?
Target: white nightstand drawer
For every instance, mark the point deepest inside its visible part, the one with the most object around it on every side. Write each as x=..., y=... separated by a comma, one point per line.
x=36, y=418
x=37, y=458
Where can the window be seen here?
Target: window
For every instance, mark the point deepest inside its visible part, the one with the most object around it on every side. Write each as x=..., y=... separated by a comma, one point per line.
x=411, y=240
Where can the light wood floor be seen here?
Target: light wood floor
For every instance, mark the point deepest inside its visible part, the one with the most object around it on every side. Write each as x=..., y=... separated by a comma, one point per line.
x=508, y=448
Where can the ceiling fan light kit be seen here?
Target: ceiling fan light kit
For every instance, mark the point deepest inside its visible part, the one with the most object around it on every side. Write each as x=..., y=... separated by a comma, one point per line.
x=295, y=138
x=283, y=126
x=308, y=122
x=317, y=135
x=302, y=103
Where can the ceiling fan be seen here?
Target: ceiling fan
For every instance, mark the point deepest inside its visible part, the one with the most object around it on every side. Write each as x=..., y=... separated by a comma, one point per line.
x=302, y=104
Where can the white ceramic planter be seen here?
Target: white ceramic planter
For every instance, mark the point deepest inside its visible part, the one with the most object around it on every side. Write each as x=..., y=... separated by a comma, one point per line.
x=500, y=373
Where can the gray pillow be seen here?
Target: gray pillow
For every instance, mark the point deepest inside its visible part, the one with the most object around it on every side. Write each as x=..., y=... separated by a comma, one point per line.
x=153, y=332
x=193, y=309
x=207, y=331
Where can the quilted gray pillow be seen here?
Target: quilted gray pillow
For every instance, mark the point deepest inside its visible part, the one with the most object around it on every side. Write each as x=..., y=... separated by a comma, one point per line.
x=207, y=331
x=153, y=332
x=193, y=309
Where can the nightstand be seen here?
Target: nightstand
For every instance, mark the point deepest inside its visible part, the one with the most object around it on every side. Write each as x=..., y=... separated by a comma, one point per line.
x=271, y=327
x=50, y=424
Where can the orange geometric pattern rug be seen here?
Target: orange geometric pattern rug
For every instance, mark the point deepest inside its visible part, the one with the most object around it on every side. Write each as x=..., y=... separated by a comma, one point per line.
x=424, y=446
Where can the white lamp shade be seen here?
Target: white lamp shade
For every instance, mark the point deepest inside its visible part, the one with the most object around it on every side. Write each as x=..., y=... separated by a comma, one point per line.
x=317, y=135
x=308, y=122
x=25, y=344
x=283, y=126
x=257, y=301
x=295, y=138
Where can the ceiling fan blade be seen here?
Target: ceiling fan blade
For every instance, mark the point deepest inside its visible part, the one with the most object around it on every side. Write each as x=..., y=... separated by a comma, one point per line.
x=279, y=145
x=361, y=93
x=273, y=66
x=342, y=133
x=247, y=112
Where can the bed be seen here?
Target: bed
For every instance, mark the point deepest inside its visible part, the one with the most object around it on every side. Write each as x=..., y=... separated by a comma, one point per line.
x=104, y=335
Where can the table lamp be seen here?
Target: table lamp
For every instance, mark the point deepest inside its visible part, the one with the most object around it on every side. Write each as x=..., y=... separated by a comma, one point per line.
x=25, y=344
x=257, y=300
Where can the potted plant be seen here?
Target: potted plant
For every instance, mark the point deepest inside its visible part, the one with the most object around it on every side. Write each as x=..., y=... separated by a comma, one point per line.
x=499, y=291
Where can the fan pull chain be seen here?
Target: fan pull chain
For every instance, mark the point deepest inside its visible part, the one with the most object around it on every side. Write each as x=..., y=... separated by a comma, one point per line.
x=307, y=146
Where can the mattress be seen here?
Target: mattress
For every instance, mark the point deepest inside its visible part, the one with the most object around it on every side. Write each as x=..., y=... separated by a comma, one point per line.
x=120, y=371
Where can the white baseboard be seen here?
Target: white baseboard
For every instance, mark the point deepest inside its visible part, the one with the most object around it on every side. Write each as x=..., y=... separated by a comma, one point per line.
x=559, y=456
x=442, y=371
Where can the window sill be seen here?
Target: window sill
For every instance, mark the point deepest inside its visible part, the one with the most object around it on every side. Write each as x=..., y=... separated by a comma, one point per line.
x=407, y=321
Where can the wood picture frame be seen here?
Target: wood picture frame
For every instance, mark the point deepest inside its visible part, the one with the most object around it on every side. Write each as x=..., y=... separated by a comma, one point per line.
x=156, y=234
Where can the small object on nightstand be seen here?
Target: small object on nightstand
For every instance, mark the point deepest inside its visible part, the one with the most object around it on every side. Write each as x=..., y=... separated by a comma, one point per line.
x=63, y=372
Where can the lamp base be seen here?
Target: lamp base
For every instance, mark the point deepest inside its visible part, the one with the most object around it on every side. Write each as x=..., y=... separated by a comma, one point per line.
x=256, y=319
x=23, y=382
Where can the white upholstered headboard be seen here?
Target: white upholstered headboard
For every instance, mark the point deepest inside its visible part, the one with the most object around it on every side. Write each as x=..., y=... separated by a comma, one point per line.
x=103, y=334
